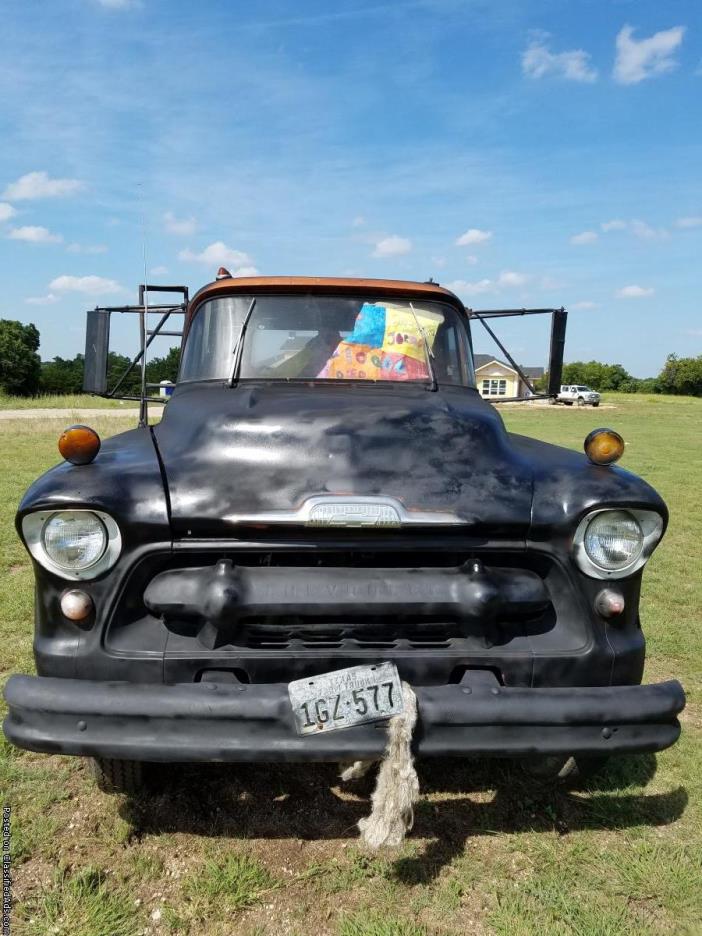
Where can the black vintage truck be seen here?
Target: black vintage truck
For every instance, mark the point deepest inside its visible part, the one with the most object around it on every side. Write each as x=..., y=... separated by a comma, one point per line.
x=327, y=491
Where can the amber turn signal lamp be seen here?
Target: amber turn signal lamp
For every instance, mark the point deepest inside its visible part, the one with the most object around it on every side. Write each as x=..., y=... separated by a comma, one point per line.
x=79, y=444
x=604, y=446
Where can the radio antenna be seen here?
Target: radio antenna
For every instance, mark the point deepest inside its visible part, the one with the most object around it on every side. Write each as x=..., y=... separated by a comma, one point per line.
x=143, y=317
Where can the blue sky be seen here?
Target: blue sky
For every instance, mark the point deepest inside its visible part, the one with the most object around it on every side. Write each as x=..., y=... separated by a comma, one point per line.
x=523, y=153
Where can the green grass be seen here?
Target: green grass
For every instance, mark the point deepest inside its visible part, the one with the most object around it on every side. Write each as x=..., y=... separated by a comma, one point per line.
x=374, y=923
x=83, y=904
x=63, y=401
x=236, y=881
x=273, y=849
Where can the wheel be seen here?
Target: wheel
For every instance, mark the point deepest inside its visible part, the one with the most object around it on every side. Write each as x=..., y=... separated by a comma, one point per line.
x=581, y=402
x=558, y=769
x=551, y=401
x=117, y=776
x=568, y=402
x=596, y=404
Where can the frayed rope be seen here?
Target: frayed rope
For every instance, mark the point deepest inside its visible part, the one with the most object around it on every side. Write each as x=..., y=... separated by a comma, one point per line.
x=397, y=786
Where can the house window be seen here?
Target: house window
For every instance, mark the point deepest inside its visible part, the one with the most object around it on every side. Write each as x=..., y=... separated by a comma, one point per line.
x=494, y=387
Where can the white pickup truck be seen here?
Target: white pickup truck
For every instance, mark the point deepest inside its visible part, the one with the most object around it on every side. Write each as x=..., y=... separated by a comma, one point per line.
x=577, y=393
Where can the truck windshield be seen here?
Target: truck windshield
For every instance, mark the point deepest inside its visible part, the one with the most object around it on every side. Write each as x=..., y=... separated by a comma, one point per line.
x=328, y=338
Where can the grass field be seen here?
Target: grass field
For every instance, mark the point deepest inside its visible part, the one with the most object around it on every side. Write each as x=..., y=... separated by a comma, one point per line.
x=261, y=850
x=75, y=401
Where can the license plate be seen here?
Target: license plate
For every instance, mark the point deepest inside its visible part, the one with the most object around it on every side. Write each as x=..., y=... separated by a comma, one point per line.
x=346, y=697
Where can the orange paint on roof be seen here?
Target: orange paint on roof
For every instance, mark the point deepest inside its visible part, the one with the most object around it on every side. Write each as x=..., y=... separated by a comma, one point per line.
x=324, y=285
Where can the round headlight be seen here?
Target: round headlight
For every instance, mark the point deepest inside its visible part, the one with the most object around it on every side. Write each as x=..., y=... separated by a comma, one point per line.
x=613, y=539
x=74, y=539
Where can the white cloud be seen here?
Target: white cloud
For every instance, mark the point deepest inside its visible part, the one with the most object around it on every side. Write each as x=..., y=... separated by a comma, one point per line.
x=585, y=237
x=689, y=222
x=439, y=261
x=645, y=232
x=538, y=61
x=6, y=212
x=584, y=304
x=117, y=4
x=180, y=226
x=637, y=227
x=464, y=288
x=473, y=236
x=634, y=292
x=471, y=259
x=34, y=234
x=159, y=270
x=39, y=185
x=358, y=221
x=218, y=254
x=639, y=59
x=392, y=246
x=510, y=278
x=86, y=248
x=42, y=300
x=88, y=285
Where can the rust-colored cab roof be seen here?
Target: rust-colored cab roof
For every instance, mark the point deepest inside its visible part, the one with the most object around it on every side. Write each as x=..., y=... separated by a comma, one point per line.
x=325, y=285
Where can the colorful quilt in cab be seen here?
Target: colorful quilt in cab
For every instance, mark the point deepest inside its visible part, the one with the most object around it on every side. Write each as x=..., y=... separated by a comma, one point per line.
x=386, y=344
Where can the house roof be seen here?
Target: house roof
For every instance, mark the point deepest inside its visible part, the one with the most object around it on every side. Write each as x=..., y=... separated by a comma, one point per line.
x=482, y=360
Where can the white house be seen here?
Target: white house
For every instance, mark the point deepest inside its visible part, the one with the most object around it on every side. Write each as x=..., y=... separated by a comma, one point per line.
x=495, y=378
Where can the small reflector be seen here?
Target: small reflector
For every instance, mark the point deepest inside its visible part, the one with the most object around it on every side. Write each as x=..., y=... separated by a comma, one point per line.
x=604, y=446
x=223, y=273
x=76, y=605
x=609, y=603
x=79, y=445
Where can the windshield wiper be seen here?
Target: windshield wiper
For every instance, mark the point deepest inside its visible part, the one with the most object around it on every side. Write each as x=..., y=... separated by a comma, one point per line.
x=428, y=353
x=239, y=347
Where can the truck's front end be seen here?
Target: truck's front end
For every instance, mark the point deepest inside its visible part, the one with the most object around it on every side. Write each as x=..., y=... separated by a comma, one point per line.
x=327, y=489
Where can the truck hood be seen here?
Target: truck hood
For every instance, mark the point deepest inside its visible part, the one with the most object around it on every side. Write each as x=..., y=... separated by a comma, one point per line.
x=259, y=448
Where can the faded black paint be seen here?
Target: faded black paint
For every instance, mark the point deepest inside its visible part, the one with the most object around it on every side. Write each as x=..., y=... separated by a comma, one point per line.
x=220, y=452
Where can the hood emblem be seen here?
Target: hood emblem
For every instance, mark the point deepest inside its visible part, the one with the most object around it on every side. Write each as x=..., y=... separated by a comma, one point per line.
x=350, y=512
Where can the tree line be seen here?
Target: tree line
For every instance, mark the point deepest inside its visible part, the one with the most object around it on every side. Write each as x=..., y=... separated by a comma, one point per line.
x=680, y=375
x=23, y=373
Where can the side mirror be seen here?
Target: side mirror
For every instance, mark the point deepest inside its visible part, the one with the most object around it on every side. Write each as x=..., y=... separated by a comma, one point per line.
x=555, y=362
x=97, y=341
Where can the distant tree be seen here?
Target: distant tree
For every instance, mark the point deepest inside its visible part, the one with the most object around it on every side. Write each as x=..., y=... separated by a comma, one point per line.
x=164, y=368
x=681, y=375
x=20, y=365
x=62, y=375
x=595, y=375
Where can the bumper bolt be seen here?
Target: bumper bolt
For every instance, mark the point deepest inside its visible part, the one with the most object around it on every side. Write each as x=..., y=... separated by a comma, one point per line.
x=82, y=726
x=606, y=733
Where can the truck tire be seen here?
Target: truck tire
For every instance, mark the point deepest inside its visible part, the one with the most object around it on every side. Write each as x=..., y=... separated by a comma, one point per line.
x=558, y=769
x=597, y=403
x=568, y=402
x=581, y=401
x=117, y=776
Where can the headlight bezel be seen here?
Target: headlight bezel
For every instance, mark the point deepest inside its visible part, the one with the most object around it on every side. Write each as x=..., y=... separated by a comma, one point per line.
x=33, y=525
x=651, y=524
